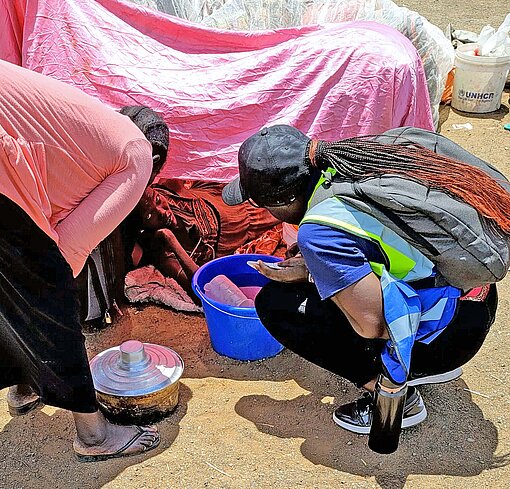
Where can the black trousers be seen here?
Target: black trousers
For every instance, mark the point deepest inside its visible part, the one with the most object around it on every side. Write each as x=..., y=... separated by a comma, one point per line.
x=41, y=343
x=319, y=332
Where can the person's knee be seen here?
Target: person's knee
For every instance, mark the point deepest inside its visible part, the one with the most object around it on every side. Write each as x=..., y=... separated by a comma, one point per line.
x=264, y=302
x=278, y=303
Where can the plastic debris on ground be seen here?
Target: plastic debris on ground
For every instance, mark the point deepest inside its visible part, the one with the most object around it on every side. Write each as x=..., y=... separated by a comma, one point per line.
x=490, y=41
x=466, y=126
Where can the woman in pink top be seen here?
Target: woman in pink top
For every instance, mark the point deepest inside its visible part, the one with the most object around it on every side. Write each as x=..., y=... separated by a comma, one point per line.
x=71, y=170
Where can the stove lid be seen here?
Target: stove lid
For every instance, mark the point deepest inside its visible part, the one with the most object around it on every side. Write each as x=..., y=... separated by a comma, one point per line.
x=135, y=369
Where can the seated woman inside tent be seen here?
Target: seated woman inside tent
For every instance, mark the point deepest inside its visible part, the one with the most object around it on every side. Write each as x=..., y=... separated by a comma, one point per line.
x=179, y=225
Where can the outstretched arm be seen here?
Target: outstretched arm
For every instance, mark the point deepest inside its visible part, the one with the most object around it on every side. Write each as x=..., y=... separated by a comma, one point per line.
x=98, y=214
x=173, y=261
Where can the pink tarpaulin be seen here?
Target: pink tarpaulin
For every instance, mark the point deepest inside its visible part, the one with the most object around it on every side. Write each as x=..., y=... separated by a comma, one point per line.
x=215, y=88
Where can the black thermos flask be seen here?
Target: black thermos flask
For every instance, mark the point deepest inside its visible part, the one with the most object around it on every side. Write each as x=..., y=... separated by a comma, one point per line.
x=387, y=412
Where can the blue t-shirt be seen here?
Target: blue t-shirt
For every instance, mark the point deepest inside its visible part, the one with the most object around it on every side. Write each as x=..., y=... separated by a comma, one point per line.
x=335, y=258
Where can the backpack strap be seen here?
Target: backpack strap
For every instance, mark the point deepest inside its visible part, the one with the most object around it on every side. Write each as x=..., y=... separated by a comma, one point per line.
x=397, y=221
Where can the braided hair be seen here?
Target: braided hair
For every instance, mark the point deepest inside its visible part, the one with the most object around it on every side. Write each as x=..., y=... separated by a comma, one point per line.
x=363, y=157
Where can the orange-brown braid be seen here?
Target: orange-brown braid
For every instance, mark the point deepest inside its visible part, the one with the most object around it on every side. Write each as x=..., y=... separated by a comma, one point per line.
x=363, y=157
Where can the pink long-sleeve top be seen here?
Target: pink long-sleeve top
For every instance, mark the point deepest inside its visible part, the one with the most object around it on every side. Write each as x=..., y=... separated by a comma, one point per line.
x=75, y=166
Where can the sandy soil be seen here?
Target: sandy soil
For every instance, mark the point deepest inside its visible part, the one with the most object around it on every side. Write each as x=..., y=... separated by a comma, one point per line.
x=268, y=423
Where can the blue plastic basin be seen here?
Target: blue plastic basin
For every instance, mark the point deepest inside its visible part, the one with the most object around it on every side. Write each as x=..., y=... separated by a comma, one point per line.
x=235, y=332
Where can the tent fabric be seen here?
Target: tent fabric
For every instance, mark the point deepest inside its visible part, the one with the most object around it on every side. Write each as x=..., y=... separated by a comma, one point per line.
x=215, y=87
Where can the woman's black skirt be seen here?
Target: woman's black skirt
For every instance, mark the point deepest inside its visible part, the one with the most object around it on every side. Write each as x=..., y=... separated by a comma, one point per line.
x=41, y=343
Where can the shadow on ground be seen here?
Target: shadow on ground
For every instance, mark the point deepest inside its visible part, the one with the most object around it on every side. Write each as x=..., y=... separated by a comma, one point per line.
x=44, y=460
x=462, y=441
x=497, y=115
x=455, y=439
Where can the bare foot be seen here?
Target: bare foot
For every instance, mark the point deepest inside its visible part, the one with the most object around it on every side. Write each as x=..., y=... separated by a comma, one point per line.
x=21, y=399
x=97, y=439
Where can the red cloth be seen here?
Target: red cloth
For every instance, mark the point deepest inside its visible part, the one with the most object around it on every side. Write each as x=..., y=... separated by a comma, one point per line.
x=237, y=225
x=269, y=243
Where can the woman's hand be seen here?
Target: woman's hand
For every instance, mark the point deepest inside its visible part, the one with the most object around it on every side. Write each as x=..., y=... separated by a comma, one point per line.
x=290, y=271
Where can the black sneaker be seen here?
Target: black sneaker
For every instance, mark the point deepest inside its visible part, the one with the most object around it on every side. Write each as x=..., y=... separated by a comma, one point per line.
x=357, y=416
x=435, y=379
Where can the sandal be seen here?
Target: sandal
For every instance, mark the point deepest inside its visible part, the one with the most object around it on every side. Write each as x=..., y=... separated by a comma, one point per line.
x=24, y=408
x=121, y=451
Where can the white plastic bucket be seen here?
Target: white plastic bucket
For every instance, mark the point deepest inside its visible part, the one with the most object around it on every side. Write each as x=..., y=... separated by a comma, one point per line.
x=479, y=80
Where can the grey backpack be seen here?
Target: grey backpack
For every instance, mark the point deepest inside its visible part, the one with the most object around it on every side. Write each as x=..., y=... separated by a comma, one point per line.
x=467, y=249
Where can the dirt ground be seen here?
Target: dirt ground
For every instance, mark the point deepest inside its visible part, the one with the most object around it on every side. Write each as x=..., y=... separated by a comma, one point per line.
x=268, y=423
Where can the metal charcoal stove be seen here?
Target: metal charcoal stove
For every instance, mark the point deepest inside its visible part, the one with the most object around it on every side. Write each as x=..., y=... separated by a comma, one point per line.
x=137, y=382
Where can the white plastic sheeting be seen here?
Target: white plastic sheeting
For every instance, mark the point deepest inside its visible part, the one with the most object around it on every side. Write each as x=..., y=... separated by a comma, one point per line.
x=434, y=48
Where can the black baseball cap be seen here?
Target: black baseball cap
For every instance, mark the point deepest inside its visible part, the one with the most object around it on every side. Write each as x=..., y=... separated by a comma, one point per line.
x=272, y=167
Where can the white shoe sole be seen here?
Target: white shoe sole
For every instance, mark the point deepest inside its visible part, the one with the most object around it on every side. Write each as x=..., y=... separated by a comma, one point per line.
x=437, y=379
x=365, y=430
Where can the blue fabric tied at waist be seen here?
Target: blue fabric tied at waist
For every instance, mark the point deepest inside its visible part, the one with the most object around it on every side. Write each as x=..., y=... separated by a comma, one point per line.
x=412, y=315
